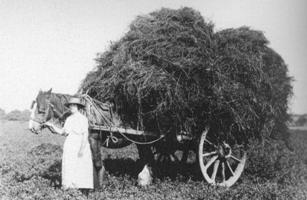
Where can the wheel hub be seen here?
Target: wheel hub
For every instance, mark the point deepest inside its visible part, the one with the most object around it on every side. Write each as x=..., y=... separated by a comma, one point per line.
x=221, y=151
x=224, y=150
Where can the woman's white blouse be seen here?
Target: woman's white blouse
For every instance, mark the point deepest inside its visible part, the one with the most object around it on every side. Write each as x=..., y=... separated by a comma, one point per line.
x=76, y=124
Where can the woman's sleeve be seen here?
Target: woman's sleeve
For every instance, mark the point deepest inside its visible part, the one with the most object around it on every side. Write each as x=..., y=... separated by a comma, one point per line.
x=67, y=126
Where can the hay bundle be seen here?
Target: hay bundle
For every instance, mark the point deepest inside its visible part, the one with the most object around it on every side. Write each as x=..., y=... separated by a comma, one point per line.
x=172, y=72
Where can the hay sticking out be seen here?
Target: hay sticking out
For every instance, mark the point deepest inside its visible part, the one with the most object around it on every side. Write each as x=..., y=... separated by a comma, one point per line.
x=172, y=72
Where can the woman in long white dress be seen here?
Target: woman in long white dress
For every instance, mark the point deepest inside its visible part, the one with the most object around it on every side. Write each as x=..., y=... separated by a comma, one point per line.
x=77, y=168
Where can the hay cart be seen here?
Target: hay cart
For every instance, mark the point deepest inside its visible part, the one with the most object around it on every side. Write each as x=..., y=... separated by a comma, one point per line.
x=221, y=162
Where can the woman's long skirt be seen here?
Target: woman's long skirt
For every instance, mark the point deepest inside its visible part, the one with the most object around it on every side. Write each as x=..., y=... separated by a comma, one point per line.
x=77, y=172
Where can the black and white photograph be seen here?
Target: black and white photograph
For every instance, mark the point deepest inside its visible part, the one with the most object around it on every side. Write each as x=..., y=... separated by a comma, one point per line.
x=153, y=100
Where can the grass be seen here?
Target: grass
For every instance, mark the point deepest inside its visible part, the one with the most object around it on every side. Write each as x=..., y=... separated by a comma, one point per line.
x=30, y=169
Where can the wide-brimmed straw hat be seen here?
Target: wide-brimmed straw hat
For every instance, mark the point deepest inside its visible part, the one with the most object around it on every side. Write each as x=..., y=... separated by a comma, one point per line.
x=76, y=101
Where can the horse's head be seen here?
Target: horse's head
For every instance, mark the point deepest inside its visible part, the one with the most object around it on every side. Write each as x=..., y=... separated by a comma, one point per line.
x=40, y=111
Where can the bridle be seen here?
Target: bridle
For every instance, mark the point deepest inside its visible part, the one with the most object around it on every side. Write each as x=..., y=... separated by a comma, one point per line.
x=50, y=107
x=46, y=113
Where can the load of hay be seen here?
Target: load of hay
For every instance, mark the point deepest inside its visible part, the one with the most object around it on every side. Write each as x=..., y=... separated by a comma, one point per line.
x=172, y=72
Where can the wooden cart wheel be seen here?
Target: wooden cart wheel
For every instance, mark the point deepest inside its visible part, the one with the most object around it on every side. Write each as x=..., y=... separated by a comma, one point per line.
x=220, y=164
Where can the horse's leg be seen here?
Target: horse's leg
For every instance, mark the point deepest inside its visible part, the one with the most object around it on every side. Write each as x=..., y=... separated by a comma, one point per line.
x=146, y=158
x=98, y=167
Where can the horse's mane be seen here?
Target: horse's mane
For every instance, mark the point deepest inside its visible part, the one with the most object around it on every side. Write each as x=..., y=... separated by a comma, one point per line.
x=59, y=100
x=62, y=99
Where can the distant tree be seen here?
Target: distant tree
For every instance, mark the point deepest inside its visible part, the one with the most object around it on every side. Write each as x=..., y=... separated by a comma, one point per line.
x=301, y=121
x=25, y=115
x=2, y=114
x=17, y=115
x=14, y=115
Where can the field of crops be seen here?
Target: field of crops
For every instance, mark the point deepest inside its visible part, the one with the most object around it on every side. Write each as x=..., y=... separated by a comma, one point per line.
x=30, y=169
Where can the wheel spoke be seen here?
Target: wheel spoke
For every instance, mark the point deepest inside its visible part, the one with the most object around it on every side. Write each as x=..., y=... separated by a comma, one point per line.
x=209, y=154
x=210, y=143
x=223, y=171
x=211, y=161
x=215, y=168
x=236, y=159
x=229, y=167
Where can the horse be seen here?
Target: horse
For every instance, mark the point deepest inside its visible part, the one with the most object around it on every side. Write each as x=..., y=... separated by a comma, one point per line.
x=49, y=106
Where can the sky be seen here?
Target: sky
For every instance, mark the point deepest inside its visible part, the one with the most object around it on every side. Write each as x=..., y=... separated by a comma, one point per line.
x=53, y=43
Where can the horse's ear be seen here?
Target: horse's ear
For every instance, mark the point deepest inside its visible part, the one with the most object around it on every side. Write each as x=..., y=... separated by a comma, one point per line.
x=49, y=91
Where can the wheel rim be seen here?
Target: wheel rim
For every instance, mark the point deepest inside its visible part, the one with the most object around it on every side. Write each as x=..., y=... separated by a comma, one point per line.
x=220, y=164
